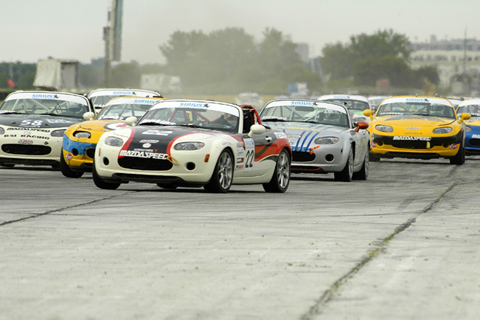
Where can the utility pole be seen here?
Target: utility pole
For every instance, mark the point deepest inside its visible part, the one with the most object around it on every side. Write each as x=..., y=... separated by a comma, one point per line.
x=112, y=35
x=465, y=64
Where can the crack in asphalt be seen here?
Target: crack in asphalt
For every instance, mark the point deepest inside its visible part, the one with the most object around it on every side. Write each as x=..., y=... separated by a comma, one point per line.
x=56, y=210
x=329, y=294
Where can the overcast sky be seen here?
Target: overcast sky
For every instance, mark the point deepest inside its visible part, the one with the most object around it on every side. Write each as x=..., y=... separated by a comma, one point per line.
x=73, y=29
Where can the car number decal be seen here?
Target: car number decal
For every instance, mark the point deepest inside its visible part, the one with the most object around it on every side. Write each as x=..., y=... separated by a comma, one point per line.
x=249, y=154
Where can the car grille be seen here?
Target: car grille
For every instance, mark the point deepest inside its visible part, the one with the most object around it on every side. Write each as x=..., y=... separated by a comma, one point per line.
x=299, y=156
x=474, y=142
x=409, y=144
x=145, y=164
x=26, y=149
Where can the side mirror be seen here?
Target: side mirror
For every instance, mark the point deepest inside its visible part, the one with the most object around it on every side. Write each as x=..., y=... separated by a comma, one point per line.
x=88, y=116
x=361, y=125
x=256, y=129
x=368, y=113
x=131, y=121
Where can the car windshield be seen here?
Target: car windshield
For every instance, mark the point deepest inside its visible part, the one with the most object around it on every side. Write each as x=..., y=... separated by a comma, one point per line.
x=193, y=114
x=50, y=104
x=351, y=104
x=305, y=113
x=423, y=108
x=472, y=109
x=123, y=111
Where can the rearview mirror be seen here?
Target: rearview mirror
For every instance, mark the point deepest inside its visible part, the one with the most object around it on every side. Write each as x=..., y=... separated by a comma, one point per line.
x=131, y=121
x=256, y=129
x=88, y=116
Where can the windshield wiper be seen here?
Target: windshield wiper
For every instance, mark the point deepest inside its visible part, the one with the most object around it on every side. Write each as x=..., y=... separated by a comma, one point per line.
x=11, y=112
x=155, y=122
x=275, y=119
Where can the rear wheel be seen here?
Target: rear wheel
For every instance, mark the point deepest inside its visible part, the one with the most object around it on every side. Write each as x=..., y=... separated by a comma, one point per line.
x=347, y=173
x=281, y=175
x=459, y=158
x=65, y=169
x=102, y=184
x=222, y=176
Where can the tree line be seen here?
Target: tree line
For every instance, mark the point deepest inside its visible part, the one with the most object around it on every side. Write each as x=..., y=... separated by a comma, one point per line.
x=231, y=61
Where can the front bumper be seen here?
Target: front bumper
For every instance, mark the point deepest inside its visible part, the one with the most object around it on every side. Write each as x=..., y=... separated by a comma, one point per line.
x=78, y=155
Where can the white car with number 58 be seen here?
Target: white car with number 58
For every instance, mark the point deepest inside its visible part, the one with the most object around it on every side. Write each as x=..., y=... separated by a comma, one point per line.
x=194, y=143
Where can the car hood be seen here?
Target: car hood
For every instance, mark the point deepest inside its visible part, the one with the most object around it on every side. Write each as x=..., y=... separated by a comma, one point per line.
x=101, y=125
x=302, y=127
x=161, y=138
x=36, y=121
x=473, y=122
x=414, y=121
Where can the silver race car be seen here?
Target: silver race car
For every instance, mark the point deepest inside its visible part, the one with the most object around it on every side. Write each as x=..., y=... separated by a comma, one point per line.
x=322, y=135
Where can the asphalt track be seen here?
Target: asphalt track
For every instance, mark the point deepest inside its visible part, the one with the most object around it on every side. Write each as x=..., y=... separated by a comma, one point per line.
x=402, y=245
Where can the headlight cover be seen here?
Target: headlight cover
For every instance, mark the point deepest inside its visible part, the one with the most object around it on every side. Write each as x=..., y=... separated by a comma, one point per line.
x=2, y=131
x=57, y=133
x=442, y=130
x=82, y=134
x=113, y=141
x=189, y=146
x=384, y=128
x=327, y=140
x=467, y=129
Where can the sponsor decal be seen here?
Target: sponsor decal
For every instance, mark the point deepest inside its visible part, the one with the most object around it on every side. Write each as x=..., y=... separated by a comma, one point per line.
x=144, y=101
x=302, y=103
x=240, y=160
x=413, y=128
x=146, y=145
x=239, y=167
x=69, y=156
x=412, y=138
x=476, y=136
x=42, y=96
x=143, y=154
x=415, y=100
x=113, y=126
x=454, y=146
x=157, y=132
x=148, y=141
x=192, y=105
x=25, y=141
x=28, y=135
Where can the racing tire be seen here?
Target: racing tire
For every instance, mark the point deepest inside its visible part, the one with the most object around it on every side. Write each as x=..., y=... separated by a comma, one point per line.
x=363, y=173
x=65, y=169
x=102, y=184
x=222, y=176
x=459, y=158
x=346, y=174
x=281, y=176
x=168, y=186
x=7, y=165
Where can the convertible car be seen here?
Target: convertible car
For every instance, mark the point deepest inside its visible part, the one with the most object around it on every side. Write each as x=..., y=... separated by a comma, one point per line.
x=80, y=140
x=354, y=103
x=32, y=124
x=418, y=128
x=100, y=97
x=194, y=143
x=472, y=126
x=323, y=137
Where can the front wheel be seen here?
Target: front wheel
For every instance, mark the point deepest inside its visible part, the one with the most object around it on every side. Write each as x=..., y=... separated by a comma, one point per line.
x=363, y=173
x=102, y=184
x=347, y=173
x=65, y=169
x=281, y=175
x=459, y=158
x=222, y=176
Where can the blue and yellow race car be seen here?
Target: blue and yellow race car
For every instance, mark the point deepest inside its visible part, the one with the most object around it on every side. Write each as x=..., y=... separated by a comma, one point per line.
x=80, y=140
x=472, y=126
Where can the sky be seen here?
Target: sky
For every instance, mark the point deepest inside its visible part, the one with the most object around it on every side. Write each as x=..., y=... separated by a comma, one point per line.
x=32, y=30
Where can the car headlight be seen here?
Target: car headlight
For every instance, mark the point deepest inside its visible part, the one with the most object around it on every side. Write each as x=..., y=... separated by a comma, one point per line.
x=189, y=146
x=2, y=131
x=82, y=134
x=113, y=142
x=327, y=140
x=383, y=128
x=442, y=130
x=467, y=129
x=57, y=133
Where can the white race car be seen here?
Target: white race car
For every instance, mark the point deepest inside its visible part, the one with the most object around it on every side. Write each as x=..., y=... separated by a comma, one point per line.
x=99, y=97
x=194, y=143
x=32, y=124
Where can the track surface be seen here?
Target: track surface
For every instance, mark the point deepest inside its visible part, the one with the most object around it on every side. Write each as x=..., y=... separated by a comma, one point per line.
x=405, y=244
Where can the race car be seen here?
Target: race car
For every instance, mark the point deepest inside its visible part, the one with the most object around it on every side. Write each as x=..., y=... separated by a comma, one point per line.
x=322, y=135
x=354, y=103
x=194, y=143
x=418, y=128
x=32, y=124
x=99, y=97
x=80, y=139
x=472, y=126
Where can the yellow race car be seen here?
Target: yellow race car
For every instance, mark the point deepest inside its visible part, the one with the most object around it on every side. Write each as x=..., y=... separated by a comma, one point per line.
x=418, y=128
x=80, y=140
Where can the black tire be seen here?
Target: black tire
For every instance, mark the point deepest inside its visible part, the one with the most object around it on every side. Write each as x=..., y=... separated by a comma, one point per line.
x=102, y=184
x=222, y=176
x=363, y=173
x=281, y=176
x=169, y=186
x=459, y=158
x=347, y=173
x=65, y=169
